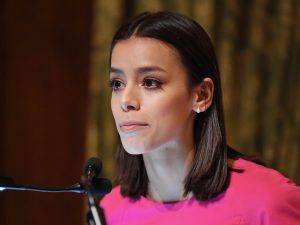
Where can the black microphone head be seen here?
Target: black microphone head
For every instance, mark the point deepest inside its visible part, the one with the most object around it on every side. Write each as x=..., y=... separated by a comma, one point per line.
x=93, y=164
x=101, y=186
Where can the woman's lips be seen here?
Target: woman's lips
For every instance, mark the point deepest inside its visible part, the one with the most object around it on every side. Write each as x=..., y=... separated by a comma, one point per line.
x=131, y=126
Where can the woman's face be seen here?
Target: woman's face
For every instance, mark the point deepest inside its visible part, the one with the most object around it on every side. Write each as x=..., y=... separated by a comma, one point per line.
x=151, y=101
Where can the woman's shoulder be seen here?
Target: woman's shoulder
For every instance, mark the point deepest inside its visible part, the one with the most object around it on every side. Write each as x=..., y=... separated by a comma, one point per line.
x=111, y=198
x=265, y=189
x=251, y=172
x=118, y=208
x=115, y=201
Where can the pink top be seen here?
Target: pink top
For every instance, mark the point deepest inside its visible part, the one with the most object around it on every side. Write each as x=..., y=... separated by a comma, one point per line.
x=257, y=196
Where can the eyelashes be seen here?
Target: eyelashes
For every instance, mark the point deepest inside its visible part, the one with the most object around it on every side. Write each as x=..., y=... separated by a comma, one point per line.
x=148, y=83
x=115, y=84
x=151, y=83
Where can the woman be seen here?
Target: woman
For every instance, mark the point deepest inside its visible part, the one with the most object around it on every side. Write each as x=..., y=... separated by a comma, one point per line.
x=174, y=164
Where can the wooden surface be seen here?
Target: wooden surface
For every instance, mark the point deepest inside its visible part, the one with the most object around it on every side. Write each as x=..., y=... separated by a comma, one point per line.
x=44, y=59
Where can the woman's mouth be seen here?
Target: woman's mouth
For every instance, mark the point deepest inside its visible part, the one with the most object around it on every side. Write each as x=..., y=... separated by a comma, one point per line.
x=132, y=126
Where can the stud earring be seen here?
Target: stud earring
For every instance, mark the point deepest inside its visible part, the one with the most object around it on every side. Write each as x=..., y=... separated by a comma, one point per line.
x=198, y=109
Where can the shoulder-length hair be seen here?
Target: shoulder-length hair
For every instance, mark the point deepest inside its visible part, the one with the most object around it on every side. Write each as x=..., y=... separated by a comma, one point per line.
x=209, y=173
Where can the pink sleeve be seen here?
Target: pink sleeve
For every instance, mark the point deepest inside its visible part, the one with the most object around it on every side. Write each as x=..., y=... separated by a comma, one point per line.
x=284, y=207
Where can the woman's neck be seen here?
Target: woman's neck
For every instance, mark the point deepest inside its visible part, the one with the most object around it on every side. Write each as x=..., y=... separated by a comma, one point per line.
x=167, y=169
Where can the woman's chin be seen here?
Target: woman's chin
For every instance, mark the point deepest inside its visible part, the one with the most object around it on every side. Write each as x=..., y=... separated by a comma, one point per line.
x=134, y=151
x=137, y=149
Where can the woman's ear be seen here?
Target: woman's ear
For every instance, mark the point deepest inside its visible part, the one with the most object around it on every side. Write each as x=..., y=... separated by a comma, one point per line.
x=204, y=93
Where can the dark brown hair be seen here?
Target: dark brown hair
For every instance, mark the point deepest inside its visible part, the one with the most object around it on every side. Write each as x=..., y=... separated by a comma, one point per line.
x=209, y=174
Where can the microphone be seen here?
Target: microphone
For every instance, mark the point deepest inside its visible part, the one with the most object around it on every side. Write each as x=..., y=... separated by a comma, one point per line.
x=101, y=186
x=92, y=168
x=90, y=183
x=89, y=180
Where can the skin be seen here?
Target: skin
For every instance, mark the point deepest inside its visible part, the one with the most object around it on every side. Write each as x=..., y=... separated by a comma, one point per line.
x=154, y=111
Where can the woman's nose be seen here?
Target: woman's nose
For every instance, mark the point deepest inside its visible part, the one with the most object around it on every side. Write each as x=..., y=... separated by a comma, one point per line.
x=130, y=99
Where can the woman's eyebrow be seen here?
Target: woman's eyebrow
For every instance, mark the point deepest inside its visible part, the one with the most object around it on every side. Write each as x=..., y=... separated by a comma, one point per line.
x=116, y=71
x=139, y=71
x=147, y=69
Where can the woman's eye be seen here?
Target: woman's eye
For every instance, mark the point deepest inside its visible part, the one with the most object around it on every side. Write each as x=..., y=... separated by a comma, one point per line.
x=115, y=84
x=151, y=83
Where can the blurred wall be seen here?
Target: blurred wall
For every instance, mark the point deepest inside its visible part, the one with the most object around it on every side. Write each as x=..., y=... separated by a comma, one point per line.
x=44, y=77
x=258, y=46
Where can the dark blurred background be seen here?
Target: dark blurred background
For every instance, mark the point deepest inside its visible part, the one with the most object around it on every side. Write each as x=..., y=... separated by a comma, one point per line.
x=44, y=57
x=55, y=99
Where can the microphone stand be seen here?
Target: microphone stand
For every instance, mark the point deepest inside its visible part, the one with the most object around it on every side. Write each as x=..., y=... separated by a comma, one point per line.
x=76, y=188
x=101, y=186
x=95, y=214
x=89, y=187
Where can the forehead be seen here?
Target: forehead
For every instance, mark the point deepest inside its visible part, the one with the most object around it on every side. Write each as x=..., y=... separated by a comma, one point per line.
x=144, y=50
